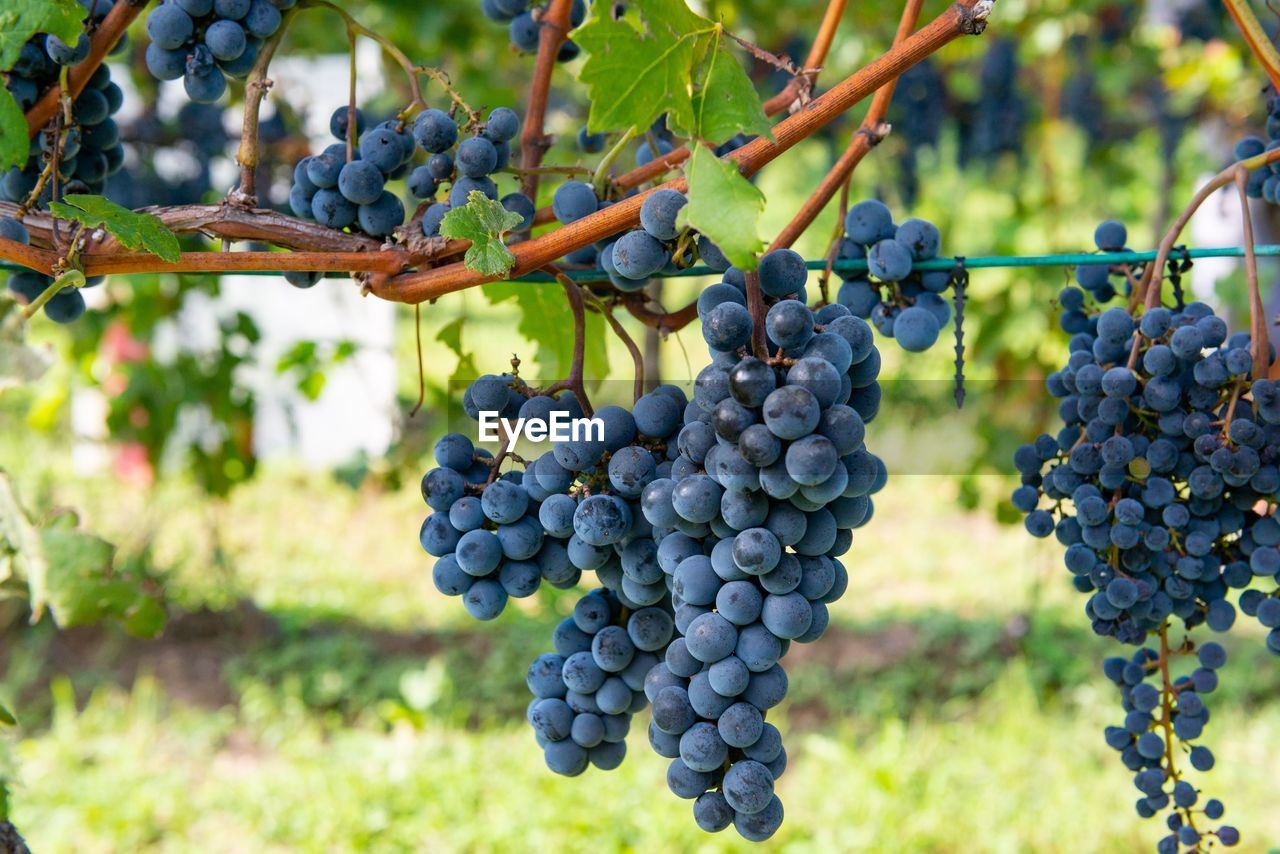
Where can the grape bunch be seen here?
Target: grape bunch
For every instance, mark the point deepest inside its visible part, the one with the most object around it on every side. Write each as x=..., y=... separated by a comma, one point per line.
x=714, y=527
x=1160, y=723
x=903, y=304
x=1099, y=280
x=524, y=24
x=203, y=42
x=573, y=509
x=89, y=150
x=1163, y=464
x=486, y=536
x=659, y=245
x=338, y=193
x=996, y=123
x=917, y=115
x=772, y=477
x=1263, y=183
x=1163, y=486
x=585, y=692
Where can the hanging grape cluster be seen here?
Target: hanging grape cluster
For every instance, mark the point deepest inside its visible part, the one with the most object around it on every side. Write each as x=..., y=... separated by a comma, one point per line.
x=714, y=527
x=1163, y=485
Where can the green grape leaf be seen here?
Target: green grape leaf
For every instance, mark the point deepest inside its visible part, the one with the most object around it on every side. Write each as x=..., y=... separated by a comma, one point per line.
x=7, y=718
x=81, y=589
x=133, y=230
x=466, y=371
x=19, y=362
x=724, y=206
x=547, y=321
x=484, y=222
x=146, y=617
x=14, y=146
x=450, y=336
x=724, y=102
x=639, y=66
x=21, y=19
x=25, y=544
x=659, y=58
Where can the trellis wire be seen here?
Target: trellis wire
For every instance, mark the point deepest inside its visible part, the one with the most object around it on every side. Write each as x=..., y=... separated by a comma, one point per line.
x=860, y=266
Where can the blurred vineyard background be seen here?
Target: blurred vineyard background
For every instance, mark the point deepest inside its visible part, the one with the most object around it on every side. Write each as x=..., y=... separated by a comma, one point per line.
x=306, y=689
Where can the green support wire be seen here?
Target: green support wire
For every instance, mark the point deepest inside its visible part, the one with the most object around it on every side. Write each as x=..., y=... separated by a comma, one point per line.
x=860, y=265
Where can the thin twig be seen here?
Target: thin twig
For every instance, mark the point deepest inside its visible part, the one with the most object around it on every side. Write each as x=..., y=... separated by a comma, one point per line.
x=1257, y=317
x=1259, y=43
x=637, y=358
x=664, y=322
x=872, y=131
x=353, y=124
x=967, y=17
x=255, y=90
x=755, y=305
x=422, y=366
x=773, y=60
x=411, y=71
x=1150, y=285
x=534, y=142
x=574, y=382
x=104, y=39
x=441, y=78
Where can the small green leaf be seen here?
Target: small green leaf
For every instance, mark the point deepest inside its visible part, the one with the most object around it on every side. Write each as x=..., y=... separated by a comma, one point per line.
x=484, y=222
x=14, y=146
x=26, y=545
x=639, y=66
x=7, y=718
x=146, y=618
x=725, y=103
x=133, y=230
x=19, y=363
x=81, y=589
x=21, y=19
x=724, y=206
x=451, y=337
x=547, y=321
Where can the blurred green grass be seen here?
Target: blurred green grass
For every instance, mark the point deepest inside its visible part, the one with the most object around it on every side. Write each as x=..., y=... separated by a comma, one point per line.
x=316, y=694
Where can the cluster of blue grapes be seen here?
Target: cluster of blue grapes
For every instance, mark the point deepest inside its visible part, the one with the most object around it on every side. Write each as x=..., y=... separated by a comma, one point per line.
x=1156, y=719
x=487, y=537
x=1163, y=485
x=585, y=692
x=1263, y=183
x=467, y=166
x=197, y=135
x=1099, y=280
x=1164, y=465
x=773, y=475
x=203, y=42
x=659, y=246
x=339, y=193
x=573, y=509
x=524, y=24
x=917, y=115
x=903, y=304
x=66, y=306
x=714, y=528
x=90, y=149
